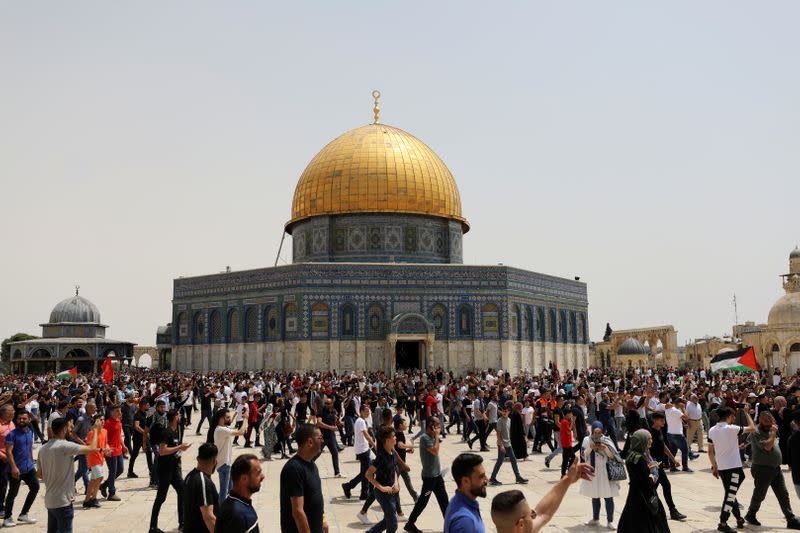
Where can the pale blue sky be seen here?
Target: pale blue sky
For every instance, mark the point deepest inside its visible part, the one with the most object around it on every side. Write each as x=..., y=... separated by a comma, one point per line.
x=651, y=149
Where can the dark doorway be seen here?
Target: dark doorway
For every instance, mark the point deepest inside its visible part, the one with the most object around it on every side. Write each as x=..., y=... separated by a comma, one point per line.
x=407, y=355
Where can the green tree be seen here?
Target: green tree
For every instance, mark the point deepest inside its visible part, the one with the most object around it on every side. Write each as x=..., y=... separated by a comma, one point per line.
x=5, y=355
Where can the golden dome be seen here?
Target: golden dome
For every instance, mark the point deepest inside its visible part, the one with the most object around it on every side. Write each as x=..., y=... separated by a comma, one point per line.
x=376, y=169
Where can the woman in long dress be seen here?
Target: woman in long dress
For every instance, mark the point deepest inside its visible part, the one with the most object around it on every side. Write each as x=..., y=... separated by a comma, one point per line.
x=270, y=436
x=598, y=449
x=643, y=512
x=517, y=432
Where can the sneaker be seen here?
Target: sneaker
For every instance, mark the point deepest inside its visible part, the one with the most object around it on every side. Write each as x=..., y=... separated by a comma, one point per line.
x=364, y=519
x=547, y=462
x=593, y=523
x=94, y=504
x=493, y=482
x=739, y=523
x=751, y=519
x=339, y=475
x=26, y=519
x=675, y=515
x=346, y=490
x=522, y=480
x=688, y=470
x=114, y=498
x=793, y=523
x=132, y=475
x=9, y=522
x=153, y=486
x=412, y=528
x=612, y=526
x=104, y=490
x=402, y=518
x=725, y=528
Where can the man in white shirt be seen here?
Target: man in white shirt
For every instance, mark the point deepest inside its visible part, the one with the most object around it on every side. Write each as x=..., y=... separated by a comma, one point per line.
x=726, y=463
x=675, y=440
x=695, y=421
x=362, y=444
x=223, y=440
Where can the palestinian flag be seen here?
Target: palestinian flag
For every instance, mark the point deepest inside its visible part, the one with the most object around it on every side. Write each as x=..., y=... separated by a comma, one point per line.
x=72, y=373
x=741, y=360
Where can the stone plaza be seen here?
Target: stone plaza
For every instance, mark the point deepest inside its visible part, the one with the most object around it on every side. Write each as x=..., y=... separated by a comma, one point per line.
x=698, y=495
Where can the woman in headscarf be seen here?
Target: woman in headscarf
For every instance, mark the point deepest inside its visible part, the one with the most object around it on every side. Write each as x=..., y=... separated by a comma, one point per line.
x=517, y=432
x=784, y=421
x=643, y=512
x=270, y=433
x=598, y=449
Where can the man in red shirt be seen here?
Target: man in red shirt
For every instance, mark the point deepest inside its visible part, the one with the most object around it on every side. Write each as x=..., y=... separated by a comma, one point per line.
x=115, y=464
x=566, y=435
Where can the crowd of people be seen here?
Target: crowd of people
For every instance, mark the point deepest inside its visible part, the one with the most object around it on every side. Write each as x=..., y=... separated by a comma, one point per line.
x=610, y=426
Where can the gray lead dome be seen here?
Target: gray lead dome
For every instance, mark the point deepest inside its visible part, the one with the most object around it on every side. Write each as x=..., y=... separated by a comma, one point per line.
x=76, y=310
x=632, y=347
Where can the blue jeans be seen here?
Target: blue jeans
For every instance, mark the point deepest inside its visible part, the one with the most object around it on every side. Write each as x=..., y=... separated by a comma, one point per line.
x=363, y=458
x=609, y=509
x=678, y=442
x=330, y=443
x=83, y=471
x=509, y=452
x=389, y=521
x=224, y=472
x=60, y=520
x=115, y=466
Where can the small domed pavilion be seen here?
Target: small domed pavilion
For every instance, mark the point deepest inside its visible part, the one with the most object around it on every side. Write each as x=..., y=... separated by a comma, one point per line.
x=73, y=337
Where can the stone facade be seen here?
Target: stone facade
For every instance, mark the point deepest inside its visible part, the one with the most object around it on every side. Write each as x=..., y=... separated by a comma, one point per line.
x=335, y=316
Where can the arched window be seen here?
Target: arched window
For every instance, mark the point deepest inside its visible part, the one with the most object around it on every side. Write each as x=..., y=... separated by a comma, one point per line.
x=251, y=324
x=290, y=320
x=465, y=320
x=573, y=327
x=540, y=325
x=552, y=326
x=514, y=323
x=199, y=328
x=375, y=321
x=439, y=316
x=491, y=320
x=348, y=328
x=794, y=348
x=215, y=327
x=319, y=320
x=234, y=326
x=183, y=327
x=271, y=322
x=582, y=328
x=528, y=330
x=562, y=326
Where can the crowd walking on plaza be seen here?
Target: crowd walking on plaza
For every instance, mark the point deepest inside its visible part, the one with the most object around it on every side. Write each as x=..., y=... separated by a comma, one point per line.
x=631, y=426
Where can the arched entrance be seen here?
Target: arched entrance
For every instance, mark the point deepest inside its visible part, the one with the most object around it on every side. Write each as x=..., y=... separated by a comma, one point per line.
x=80, y=358
x=410, y=342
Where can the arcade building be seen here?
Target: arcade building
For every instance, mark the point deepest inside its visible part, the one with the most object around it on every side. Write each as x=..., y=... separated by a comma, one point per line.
x=377, y=281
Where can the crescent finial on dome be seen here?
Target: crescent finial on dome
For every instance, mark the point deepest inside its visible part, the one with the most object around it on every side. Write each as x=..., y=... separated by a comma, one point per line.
x=375, y=110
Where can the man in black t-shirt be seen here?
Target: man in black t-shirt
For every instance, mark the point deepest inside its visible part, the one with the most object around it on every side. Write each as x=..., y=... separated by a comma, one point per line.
x=660, y=453
x=200, y=496
x=301, y=488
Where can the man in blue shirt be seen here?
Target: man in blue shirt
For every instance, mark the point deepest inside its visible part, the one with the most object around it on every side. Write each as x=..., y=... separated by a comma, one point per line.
x=19, y=450
x=463, y=512
x=236, y=514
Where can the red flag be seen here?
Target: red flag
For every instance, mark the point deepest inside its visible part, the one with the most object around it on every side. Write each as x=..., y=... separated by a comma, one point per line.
x=108, y=370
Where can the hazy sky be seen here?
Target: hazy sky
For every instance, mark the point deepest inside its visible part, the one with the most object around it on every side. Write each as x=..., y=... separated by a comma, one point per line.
x=650, y=148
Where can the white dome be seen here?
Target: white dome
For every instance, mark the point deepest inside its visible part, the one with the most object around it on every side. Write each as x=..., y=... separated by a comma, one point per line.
x=786, y=311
